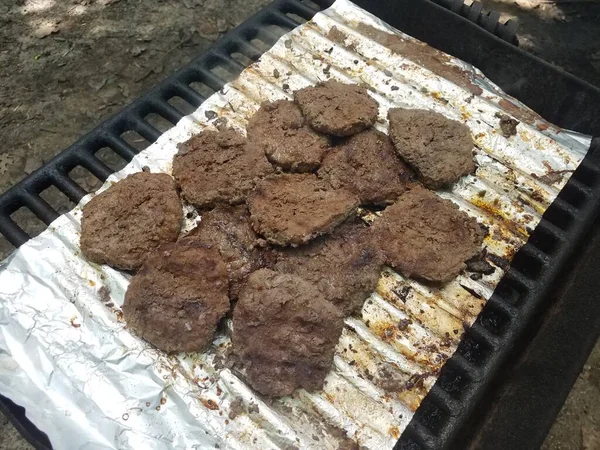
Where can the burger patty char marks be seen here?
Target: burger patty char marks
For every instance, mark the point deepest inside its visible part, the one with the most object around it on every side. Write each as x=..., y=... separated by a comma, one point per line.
x=280, y=130
x=134, y=216
x=336, y=108
x=284, y=333
x=424, y=236
x=293, y=209
x=216, y=167
x=440, y=150
x=366, y=164
x=179, y=295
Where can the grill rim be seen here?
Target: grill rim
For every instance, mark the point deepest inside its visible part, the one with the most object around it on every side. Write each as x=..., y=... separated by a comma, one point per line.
x=440, y=404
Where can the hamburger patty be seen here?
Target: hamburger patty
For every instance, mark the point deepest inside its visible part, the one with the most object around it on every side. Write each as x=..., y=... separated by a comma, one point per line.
x=134, y=216
x=366, y=165
x=218, y=167
x=439, y=149
x=344, y=266
x=293, y=209
x=227, y=228
x=336, y=108
x=280, y=130
x=424, y=236
x=284, y=333
x=179, y=295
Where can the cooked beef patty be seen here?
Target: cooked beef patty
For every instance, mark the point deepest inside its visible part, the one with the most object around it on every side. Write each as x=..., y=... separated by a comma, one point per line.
x=424, y=236
x=137, y=214
x=293, y=209
x=228, y=229
x=439, y=149
x=367, y=165
x=279, y=129
x=284, y=333
x=178, y=297
x=336, y=108
x=218, y=167
x=344, y=266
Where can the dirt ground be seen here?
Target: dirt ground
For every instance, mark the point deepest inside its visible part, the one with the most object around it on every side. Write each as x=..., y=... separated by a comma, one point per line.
x=66, y=65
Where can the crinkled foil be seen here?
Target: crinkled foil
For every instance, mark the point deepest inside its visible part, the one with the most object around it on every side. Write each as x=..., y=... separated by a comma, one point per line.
x=67, y=356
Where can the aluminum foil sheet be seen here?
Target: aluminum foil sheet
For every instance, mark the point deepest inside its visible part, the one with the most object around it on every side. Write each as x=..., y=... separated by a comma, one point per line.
x=67, y=356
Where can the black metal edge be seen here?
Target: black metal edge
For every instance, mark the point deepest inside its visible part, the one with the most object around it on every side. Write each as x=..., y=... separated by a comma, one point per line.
x=463, y=396
x=16, y=415
x=488, y=20
x=55, y=172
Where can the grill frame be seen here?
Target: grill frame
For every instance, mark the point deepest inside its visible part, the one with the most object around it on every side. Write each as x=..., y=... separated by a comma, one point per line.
x=502, y=325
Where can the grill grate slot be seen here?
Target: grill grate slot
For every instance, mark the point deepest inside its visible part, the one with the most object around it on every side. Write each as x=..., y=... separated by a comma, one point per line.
x=134, y=140
x=451, y=382
x=431, y=416
x=25, y=219
x=473, y=351
x=56, y=199
x=546, y=237
x=179, y=104
x=559, y=214
x=529, y=261
x=111, y=158
x=85, y=180
x=490, y=325
x=158, y=122
x=202, y=89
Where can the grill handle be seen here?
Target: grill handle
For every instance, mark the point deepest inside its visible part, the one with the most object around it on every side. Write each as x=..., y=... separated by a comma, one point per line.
x=488, y=20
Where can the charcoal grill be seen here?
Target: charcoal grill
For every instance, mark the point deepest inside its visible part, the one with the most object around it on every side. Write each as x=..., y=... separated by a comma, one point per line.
x=516, y=364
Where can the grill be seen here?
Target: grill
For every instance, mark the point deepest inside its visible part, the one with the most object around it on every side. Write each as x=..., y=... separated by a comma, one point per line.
x=525, y=328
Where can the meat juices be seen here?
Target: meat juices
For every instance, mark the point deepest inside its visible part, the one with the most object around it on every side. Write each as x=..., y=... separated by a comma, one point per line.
x=284, y=333
x=424, y=236
x=439, y=149
x=178, y=297
x=228, y=229
x=344, y=266
x=336, y=108
x=293, y=209
x=137, y=214
x=279, y=129
x=218, y=167
x=367, y=165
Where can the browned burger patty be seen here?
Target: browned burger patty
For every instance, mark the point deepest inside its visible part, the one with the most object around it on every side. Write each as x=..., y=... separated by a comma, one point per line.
x=344, y=266
x=293, y=209
x=284, y=333
x=424, y=236
x=178, y=297
x=439, y=149
x=228, y=229
x=336, y=108
x=367, y=165
x=279, y=129
x=218, y=167
x=137, y=214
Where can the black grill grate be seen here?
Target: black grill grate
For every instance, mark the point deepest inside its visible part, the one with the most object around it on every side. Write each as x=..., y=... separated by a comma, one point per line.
x=448, y=410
